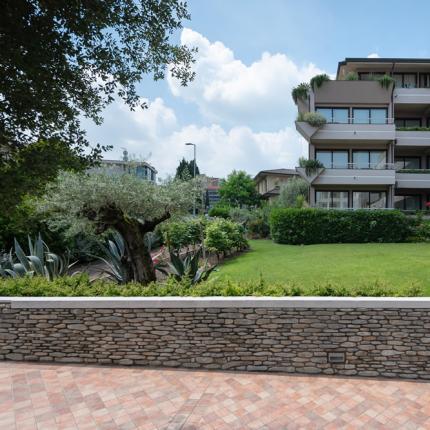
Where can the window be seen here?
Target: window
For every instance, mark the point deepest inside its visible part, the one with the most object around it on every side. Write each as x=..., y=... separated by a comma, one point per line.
x=369, y=199
x=407, y=163
x=425, y=80
x=369, y=159
x=333, y=159
x=369, y=115
x=408, y=203
x=331, y=199
x=405, y=80
x=334, y=115
x=370, y=76
x=408, y=122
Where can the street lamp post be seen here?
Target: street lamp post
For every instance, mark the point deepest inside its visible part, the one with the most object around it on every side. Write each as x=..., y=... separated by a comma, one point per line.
x=194, y=172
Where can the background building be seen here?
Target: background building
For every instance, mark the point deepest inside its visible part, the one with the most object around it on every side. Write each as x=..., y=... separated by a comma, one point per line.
x=212, y=196
x=268, y=182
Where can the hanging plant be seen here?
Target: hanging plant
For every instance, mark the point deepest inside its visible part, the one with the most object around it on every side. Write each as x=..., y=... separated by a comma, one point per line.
x=311, y=166
x=386, y=81
x=318, y=80
x=300, y=92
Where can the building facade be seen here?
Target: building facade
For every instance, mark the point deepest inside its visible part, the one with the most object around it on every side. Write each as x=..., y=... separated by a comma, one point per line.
x=212, y=196
x=268, y=182
x=141, y=169
x=375, y=145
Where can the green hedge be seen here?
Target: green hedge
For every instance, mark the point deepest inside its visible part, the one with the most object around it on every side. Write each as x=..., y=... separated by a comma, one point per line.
x=80, y=286
x=308, y=226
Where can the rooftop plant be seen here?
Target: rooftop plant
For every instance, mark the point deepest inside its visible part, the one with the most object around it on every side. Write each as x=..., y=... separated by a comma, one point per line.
x=300, y=92
x=318, y=80
x=385, y=81
x=351, y=76
x=314, y=119
x=311, y=166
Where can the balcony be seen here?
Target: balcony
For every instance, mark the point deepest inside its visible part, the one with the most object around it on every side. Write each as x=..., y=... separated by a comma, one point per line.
x=413, y=178
x=415, y=96
x=413, y=138
x=352, y=93
x=383, y=174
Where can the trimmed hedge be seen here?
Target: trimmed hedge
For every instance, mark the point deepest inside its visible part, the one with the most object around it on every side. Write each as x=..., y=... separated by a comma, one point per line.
x=309, y=226
x=80, y=286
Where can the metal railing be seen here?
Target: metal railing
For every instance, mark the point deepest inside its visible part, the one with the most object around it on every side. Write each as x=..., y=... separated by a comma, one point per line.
x=363, y=166
x=352, y=120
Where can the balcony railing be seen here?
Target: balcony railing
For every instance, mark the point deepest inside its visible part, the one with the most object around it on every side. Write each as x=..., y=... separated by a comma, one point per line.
x=352, y=120
x=362, y=166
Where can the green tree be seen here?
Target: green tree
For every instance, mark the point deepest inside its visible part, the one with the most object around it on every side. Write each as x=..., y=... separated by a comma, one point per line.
x=239, y=190
x=125, y=203
x=294, y=191
x=185, y=170
x=64, y=60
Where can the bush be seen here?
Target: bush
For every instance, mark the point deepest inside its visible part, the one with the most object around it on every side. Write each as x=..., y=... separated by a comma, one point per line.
x=220, y=211
x=80, y=286
x=255, y=221
x=351, y=76
x=318, y=80
x=314, y=119
x=183, y=233
x=290, y=191
x=300, y=92
x=223, y=236
x=308, y=226
x=421, y=229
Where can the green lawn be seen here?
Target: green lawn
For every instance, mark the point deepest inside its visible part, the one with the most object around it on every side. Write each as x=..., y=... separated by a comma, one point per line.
x=395, y=264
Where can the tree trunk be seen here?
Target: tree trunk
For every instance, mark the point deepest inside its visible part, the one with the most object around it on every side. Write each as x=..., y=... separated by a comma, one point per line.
x=139, y=257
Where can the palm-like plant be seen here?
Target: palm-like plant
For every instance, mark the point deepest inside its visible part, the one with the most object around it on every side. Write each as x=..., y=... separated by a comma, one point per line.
x=187, y=267
x=40, y=261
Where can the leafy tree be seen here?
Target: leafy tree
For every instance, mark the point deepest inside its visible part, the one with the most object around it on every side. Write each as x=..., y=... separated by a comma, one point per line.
x=124, y=203
x=239, y=190
x=294, y=191
x=185, y=170
x=64, y=60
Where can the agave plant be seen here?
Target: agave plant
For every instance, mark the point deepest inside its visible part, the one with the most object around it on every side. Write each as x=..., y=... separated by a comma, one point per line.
x=187, y=267
x=115, y=259
x=40, y=261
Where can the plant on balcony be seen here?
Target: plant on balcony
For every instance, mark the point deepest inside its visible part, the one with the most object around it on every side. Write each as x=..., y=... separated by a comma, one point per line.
x=312, y=118
x=318, y=80
x=351, y=76
x=413, y=128
x=427, y=171
x=385, y=81
x=311, y=166
x=300, y=92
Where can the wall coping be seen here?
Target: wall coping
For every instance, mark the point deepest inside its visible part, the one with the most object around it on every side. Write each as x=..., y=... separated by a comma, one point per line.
x=216, y=302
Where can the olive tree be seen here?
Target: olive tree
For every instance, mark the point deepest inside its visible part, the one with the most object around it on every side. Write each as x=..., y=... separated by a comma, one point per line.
x=130, y=205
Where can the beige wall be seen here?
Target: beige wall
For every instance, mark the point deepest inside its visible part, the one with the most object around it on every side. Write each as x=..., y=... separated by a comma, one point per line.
x=269, y=182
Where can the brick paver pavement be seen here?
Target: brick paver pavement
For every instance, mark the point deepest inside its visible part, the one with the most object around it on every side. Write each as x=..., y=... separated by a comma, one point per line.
x=45, y=397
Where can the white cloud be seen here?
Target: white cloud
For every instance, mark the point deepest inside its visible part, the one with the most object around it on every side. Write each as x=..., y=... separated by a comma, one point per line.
x=247, y=119
x=373, y=55
x=227, y=90
x=219, y=150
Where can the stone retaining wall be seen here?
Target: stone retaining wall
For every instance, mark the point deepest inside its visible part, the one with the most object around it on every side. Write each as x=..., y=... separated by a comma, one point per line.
x=367, y=337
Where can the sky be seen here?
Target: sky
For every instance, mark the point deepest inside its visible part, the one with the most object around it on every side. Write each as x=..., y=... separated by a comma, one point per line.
x=251, y=53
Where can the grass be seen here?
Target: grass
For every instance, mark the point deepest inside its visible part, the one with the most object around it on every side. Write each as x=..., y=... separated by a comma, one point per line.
x=394, y=264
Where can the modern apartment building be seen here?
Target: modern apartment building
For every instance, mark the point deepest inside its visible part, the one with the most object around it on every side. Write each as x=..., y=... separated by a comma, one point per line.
x=375, y=145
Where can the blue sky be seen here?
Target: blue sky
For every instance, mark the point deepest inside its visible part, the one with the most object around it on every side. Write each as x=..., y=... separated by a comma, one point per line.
x=251, y=53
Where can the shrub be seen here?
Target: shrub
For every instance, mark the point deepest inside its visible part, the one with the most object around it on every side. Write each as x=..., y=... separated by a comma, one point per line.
x=318, y=80
x=300, y=92
x=308, y=226
x=220, y=211
x=183, y=233
x=421, y=229
x=222, y=236
x=80, y=286
x=311, y=166
x=386, y=81
x=290, y=191
x=255, y=221
x=314, y=119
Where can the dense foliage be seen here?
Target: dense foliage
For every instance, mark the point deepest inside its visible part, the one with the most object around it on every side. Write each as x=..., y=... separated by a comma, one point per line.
x=124, y=203
x=81, y=287
x=314, y=119
x=220, y=210
x=183, y=233
x=308, y=226
x=239, y=190
x=185, y=170
x=300, y=92
x=291, y=193
x=63, y=60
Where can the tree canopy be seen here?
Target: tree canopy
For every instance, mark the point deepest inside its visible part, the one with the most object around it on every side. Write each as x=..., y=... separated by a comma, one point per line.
x=239, y=190
x=126, y=203
x=185, y=170
x=63, y=60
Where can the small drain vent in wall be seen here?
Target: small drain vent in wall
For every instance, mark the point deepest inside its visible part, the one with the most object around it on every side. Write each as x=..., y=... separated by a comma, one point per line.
x=336, y=357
